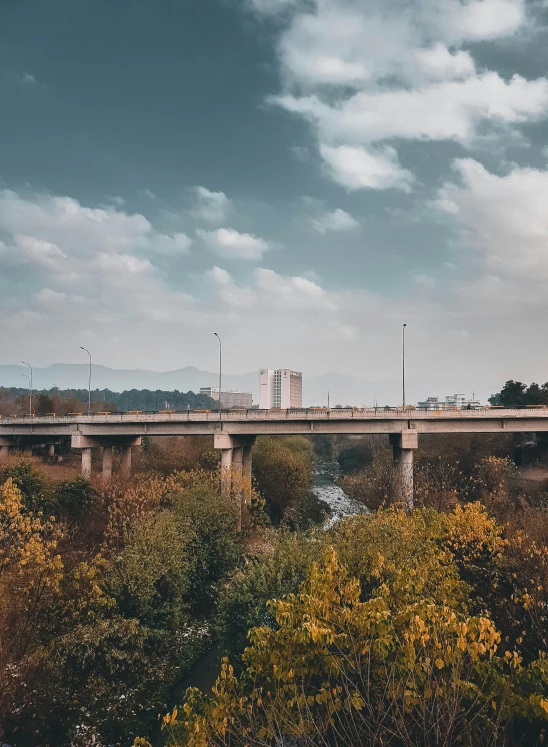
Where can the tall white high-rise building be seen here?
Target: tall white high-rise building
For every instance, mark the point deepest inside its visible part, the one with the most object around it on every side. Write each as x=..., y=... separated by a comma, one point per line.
x=280, y=387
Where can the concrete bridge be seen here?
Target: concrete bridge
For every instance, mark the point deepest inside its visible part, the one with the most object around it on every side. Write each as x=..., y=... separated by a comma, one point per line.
x=234, y=432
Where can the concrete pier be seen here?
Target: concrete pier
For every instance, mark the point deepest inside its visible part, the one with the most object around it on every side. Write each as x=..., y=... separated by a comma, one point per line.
x=403, y=445
x=226, y=472
x=107, y=463
x=247, y=464
x=86, y=463
x=86, y=443
x=4, y=452
x=125, y=464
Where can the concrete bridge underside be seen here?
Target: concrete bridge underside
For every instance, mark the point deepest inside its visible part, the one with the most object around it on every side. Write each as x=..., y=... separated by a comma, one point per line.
x=235, y=432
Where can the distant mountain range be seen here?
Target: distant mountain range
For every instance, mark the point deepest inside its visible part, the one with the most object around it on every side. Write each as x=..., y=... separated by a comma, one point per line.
x=343, y=389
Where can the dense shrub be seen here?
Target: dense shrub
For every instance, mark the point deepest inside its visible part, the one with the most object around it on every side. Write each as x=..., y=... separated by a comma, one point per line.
x=35, y=491
x=282, y=469
x=91, y=643
x=354, y=458
x=71, y=497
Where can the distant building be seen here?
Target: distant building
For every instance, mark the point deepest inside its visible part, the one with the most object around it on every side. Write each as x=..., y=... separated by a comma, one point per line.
x=452, y=402
x=228, y=398
x=280, y=387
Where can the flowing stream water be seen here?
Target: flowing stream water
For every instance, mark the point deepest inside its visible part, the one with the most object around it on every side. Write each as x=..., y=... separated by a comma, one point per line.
x=326, y=489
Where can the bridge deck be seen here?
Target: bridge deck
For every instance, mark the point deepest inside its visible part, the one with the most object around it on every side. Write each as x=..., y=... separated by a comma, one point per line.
x=280, y=422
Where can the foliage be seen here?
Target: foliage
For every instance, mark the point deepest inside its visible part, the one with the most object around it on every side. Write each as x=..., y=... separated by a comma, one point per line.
x=355, y=458
x=71, y=497
x=517, y=394
x=166, y=455
x=14, y=400
x=91, y=642
x=379, y=648
x=243, y=602
x=282, y=468
x=31, y=483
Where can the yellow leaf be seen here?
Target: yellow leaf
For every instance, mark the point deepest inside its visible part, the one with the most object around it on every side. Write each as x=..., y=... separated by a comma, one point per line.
x=439, y=663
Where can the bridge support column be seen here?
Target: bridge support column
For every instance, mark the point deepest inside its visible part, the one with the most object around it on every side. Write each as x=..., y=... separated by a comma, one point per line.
x=403, y=445
x=226, y=472
x=125, y=466
x=50, y=450
x=247, y=467
x=5, y=444
x=107, y=463
x=237, y=481
x=87, y=443
x=86, y=463
x=235, y=466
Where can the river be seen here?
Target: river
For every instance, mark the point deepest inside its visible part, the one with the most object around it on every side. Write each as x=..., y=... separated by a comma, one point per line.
x=326, y=489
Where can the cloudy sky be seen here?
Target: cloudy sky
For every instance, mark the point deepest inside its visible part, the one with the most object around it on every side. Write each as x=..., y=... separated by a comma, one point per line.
x=301, y=176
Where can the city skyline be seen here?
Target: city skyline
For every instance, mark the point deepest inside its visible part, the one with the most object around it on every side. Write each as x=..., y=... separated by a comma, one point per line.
x=301, y=177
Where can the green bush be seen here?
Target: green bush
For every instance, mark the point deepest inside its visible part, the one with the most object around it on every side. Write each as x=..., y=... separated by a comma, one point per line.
x=282, y=468
x=35, y=491
x=242, y=604
x=73, y=496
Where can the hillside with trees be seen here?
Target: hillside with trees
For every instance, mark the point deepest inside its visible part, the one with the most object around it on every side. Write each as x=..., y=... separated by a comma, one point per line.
x=14, y=400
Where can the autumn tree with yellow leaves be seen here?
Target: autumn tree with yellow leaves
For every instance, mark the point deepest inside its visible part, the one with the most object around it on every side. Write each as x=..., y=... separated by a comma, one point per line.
x=385, y=648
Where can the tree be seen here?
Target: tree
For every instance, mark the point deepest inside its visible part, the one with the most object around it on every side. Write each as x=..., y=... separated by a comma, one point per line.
x=282, y=468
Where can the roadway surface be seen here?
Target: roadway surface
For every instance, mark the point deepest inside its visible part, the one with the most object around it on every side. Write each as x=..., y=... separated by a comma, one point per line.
x=278, y=422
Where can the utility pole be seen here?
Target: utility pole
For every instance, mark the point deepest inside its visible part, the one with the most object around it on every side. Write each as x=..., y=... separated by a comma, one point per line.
x=220, y=370
x=403, y=363
x=30, y=398
x=30, y=386
x=89, y=380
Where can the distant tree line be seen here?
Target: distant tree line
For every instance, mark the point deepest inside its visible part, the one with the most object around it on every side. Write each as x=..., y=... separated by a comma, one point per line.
x=15, y=400
x=518, y=394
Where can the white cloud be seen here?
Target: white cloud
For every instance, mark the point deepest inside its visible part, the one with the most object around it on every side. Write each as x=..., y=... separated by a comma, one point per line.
x=356, y=168
x=39, y=251
x=439, y=63
x=212, y=207
x=228, y=243
x=335, y=220
x=487, y=19
x=74, y=229
x=366, y=73
x=505, y=217
x=28, y=78
x=271, y=292
x=450, y=110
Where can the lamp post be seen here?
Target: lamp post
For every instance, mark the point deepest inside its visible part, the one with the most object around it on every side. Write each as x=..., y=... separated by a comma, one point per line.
x=220, y=370
x=89, y=379
x=30, y=385
x=28, y=379
x=403, y=363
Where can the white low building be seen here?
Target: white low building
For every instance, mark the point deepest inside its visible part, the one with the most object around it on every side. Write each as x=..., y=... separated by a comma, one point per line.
x=452, y=402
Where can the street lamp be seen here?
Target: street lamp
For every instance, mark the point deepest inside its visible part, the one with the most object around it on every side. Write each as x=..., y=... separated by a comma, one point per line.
x=220, y=369
x=89, y=379
x=30, y=385
x=30, y=398
x=403, y=362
